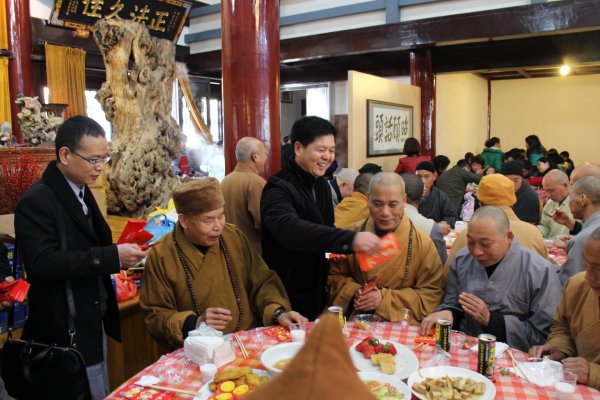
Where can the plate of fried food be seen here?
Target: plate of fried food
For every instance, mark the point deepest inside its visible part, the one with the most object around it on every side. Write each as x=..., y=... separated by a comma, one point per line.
x=385, y=386
x=445, y=382
x=388, y=357
x=232, y=383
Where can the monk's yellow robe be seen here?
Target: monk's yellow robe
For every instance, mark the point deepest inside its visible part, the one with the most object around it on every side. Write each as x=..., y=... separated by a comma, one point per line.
x=576, y=328
x=351, y=210
x=166, y=301
x=421, y=291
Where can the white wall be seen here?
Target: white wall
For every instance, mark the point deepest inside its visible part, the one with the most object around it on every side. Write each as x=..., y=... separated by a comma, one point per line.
x=362, y=87
x=563, y=111
x=461, y=115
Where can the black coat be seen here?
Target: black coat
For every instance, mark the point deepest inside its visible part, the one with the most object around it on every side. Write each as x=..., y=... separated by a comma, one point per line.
x=88, y=262
x=297, y=230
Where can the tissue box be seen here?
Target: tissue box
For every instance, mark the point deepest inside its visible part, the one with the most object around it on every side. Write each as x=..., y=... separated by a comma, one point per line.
x=208, y=349
x=201, y=349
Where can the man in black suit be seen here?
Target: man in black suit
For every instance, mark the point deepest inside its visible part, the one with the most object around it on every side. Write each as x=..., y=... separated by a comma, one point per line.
x=89, y=259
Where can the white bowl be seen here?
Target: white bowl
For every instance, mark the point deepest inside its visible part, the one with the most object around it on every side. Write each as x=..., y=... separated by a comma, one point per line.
x=276, y=353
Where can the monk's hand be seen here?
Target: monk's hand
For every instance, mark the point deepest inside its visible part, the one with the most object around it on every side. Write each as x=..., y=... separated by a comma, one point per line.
x=130, y=254
x=366, y=242
x=579, y=366
x=6, y=304
x=291, y=317
x=216, y=317
x=475, y=308
x=546, y=350
x=561, y=217
x=368, y=301
x=429, y=321
x=444, y=228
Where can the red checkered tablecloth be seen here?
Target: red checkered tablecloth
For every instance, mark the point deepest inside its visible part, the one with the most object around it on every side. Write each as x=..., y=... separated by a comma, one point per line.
x=176, y=371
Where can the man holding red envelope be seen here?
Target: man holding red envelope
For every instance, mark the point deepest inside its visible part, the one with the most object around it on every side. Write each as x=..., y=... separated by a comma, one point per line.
x=61, y=205
x=406, y=273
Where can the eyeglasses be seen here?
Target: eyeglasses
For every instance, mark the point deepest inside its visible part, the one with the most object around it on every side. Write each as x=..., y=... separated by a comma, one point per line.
x=93, y=161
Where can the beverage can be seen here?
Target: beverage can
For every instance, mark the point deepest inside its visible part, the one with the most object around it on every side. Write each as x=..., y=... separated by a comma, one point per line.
x=486, y=354
x=442, y=334
x=340, y=313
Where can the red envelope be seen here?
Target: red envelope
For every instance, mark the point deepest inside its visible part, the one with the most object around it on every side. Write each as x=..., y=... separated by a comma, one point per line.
x=14, y=291
x=389, y=248
x=134, y=232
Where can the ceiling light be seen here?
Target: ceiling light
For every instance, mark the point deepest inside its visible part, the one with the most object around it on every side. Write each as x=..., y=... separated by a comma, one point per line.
x=565, y=70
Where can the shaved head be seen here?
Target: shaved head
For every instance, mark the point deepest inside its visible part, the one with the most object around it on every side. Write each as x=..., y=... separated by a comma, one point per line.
x=361, y=183
x=589, y=186
x=586, y=169
x=556, y=185
x=387, y=179
x=495, y=214
x=557, y=176
x=244, y=148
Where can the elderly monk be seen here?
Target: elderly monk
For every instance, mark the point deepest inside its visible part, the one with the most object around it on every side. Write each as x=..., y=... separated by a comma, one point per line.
x=586, y=169
x=208, y=271
x=496, y=286
x=585, y=205
x=413, y=188
x=243, y=187
x=353, y=209
x=556, y=184
x=574, y=336
x=412, y=279
x=497, y=190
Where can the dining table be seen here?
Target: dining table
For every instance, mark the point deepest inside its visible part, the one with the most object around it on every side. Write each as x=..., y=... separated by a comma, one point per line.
x=176, y=371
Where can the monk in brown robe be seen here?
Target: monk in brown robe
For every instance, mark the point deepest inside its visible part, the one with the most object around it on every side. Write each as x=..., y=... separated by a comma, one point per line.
x=208, y=271
x=574, y=336
x=412, y=279
x=353, y=209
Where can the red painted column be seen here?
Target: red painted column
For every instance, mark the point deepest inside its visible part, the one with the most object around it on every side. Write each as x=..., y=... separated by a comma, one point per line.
x=19, y=67
x=250, y=57
x=421, y=76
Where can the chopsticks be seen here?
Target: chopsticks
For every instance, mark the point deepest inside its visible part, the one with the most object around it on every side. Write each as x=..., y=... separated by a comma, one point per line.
x=421, y=346
x=170, y=389
x=516, y=365
x=241, y=344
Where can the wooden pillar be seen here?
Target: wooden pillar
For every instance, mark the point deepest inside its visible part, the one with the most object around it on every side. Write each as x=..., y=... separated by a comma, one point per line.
x=421, y=76
x=250, y=57
x=19, y=67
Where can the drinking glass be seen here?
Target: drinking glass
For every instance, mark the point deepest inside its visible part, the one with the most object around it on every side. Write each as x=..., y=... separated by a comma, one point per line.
x=565, y=385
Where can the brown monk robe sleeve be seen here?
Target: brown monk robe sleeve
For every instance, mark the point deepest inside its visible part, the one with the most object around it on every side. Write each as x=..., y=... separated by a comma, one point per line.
x=560, y=333
x=342, y=282
x=265, y=290
x=423, y=290
x=158, y=302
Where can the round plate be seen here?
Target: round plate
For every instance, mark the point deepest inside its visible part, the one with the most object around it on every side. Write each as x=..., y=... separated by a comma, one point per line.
x=204, y=393
x=406, y=361
x=443, y=371
x=394, y=381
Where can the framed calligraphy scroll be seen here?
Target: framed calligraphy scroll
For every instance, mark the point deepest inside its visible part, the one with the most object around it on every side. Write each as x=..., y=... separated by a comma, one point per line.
x=165, y=18
x=388, y=127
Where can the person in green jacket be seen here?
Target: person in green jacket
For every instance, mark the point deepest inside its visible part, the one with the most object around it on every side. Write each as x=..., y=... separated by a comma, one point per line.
x=493, y=154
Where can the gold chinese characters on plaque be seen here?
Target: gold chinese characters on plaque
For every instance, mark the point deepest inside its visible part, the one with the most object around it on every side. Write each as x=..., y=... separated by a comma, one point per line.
x=388, y=127
x=165, y=18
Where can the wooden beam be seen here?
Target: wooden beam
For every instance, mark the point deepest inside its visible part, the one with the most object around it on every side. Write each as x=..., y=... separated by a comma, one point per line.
x=477, y=28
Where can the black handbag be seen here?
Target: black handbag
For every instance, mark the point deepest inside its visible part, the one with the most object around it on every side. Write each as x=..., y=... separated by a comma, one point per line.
x=32, y=370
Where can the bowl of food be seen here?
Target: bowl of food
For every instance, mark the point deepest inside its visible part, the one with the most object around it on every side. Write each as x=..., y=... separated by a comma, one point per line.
x=276, y=358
